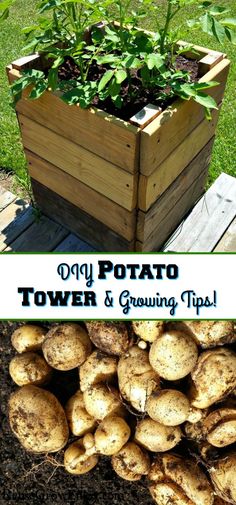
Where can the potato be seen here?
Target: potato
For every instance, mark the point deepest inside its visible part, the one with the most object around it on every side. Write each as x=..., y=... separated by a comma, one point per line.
x=137, y=379
x=131, y=463
x=195, y=415
x=98, y=367
x=168, y=406
x=66, y=346
x=109, y=337
x=194, y=431
x=222, y=474
x=79, y=420
x=173, y=355
x=220, y=427
x=212, y=333
x=111, y=435
x=213, y=378
x=101, y=401
x=29, y=368
x=76, y=459
x=28, y=338
x=180, y=481
x=148, y=330
x=155, y=436
x=38, y=420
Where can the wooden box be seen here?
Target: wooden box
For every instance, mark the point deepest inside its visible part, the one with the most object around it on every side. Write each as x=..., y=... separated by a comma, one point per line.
x=116, y=185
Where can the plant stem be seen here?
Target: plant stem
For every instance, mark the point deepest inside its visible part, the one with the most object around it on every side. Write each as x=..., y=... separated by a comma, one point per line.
x=166, y=27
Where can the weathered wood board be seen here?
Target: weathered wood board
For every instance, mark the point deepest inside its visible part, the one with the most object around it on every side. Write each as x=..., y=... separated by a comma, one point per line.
x=92, y=170
x=43, y=235
x=79, y=222
x=73, y=244
x=205, y=225
x=227, y=243
x=164, y=212
x=150, y=188
x=16, y=223
x=163, y=229
x=98, y=206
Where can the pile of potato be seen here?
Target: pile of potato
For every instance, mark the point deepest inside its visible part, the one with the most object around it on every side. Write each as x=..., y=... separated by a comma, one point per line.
x=150, y=393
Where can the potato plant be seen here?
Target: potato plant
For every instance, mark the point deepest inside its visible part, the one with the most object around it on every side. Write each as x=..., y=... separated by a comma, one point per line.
x=164, y=411
x=72, y=30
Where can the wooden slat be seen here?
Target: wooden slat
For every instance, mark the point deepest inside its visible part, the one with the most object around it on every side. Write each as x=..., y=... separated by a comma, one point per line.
x=15, y=224
x=150, y=188
x=169, y=129
x=11, y=212
x=150, y=223
x=209, y=219
x=227, y=242
x=109, y=180
x=164, y=229
x=73, y=244
x=30, y=61
x=79, y=222
x=113, y=139
x=6, y=197
x=43, y=235
x=112, y=215
x=209, y=61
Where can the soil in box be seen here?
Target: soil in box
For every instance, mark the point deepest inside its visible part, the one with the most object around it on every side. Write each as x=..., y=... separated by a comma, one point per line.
x=119, y=186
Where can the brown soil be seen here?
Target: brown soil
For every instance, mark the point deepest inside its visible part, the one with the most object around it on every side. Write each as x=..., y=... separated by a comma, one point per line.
x=141, y=96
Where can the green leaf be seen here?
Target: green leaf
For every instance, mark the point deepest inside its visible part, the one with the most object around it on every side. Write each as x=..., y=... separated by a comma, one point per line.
x=154, y=60
x=105, y=79
x=120, y=76
x=216, y=10
x=53, y=78
x=206, y=100
x=206, y=23
x=229, y=22
x=4, y=15
x=39, y=88
x=231, y=36
x=218, y=31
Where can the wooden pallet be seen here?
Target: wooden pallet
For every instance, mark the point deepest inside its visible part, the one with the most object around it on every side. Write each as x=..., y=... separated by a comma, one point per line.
x=22, y=230
x=211, y=226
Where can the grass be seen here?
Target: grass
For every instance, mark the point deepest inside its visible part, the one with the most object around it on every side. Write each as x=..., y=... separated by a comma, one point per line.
x=11, y=47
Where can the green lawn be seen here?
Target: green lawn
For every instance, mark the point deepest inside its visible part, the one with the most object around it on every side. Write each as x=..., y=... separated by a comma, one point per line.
x=11, y=44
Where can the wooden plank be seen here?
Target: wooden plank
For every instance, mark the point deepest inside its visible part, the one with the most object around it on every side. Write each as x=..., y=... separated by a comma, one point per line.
x=73, y=244
x=11, y=212
x=149, y=223
x=15, y=225
x=146, y=115
x=43, y=235
x=109, y=180
x=112, y=215
x=169, y=129
x=150, y=188
x=164, y=229
x=79, y=222
x=200, y=50
x=209, y=61
x=209, y=219
x=227, y=242
x=30, y=61
x=6, y=197
x=111, y=138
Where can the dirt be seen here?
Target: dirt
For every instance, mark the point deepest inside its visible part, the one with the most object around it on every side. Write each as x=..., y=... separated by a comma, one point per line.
x=140, y=96
x=28, y=479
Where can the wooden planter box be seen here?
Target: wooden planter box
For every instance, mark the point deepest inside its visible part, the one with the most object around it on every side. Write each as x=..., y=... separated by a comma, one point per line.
x=117, y=186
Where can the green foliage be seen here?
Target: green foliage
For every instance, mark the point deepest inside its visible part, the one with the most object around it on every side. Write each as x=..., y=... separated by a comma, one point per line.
x=72, y=29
